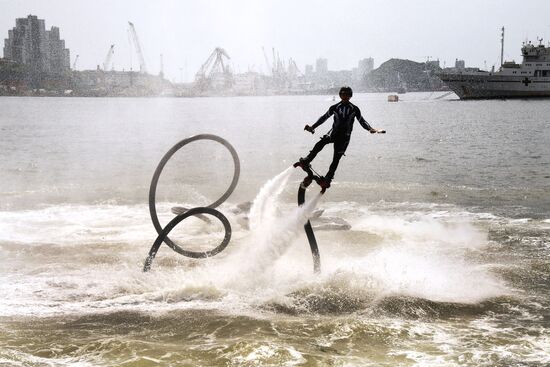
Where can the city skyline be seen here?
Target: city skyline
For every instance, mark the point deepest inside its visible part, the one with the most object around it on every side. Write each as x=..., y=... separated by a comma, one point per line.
x=29, y=42
x=186, y=33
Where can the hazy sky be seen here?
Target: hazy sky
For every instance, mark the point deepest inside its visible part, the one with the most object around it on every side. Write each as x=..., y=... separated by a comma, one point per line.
x=342, y=31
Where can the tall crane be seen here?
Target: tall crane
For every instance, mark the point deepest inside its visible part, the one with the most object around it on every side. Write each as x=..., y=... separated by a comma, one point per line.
x=137, y=47
x=214, y=73
x=279, y=73
x=269, y=67
x=293, y=70
x=213, y=63
x=74, y=62
x=107, y=65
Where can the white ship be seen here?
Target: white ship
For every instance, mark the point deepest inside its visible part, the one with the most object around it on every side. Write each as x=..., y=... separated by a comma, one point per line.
x=529, y=79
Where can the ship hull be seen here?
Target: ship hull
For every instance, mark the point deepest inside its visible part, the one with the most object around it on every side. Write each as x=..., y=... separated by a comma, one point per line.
x=487, y=86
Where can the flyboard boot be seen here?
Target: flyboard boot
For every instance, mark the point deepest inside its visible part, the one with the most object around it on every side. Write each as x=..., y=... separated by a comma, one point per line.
x=311, y=176
x=304, y=164
x=324, y=182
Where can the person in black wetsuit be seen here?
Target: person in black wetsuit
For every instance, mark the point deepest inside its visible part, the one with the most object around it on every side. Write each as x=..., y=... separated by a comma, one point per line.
x=344, y=115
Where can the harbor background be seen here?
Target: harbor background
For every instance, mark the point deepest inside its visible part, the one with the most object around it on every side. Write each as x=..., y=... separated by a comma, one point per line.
x=446, y=263
x=38, y=62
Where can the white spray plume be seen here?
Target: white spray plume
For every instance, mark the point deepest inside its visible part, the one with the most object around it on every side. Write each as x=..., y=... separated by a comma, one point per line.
x=273, y=230
x=264, y=207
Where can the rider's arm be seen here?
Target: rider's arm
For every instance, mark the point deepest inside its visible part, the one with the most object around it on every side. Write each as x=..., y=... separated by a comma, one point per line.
x=365, y=124
x=323, y=118
x=362, y=121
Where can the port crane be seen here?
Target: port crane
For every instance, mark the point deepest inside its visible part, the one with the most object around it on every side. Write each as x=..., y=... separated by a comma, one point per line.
x=213, y=66
x=107, y=64
x=269, y=67
x=279, y=71
x=293, y=70
x=74, y=62
x=135, y=42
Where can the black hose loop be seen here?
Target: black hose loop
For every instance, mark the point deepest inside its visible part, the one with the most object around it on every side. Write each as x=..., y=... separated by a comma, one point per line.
x=209, y=209
x=195, y=254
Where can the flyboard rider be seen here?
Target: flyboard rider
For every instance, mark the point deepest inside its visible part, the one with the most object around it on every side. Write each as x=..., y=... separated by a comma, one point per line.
x=344, y=115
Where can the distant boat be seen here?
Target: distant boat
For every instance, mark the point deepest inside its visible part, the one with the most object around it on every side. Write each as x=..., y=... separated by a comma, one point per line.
x=529, y=79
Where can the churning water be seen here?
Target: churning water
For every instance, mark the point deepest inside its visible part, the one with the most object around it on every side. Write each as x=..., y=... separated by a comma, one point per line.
x=446, y=262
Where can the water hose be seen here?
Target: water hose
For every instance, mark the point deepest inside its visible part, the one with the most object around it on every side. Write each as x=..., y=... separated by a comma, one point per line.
x=175, y=221
x=309, y=232
x=199, y=211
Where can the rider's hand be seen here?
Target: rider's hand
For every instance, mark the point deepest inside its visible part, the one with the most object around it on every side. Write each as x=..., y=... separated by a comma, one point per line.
x=376, y=131
x=310, y=129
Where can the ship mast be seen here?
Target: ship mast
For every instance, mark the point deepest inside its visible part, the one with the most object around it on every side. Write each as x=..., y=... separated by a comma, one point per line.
x=502, y=48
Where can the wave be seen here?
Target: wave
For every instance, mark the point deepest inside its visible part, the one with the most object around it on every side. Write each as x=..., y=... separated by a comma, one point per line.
x=81, y=259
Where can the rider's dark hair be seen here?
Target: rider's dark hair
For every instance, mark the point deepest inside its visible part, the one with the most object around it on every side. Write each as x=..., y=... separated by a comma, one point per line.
x=347, y=90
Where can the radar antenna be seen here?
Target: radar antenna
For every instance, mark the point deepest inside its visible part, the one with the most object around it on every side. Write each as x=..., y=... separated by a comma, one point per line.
x=502, y=49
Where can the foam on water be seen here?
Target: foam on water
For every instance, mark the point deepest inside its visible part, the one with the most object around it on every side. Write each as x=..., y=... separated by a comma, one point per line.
x=436, y=275
x=88, y=259
x=16, y=358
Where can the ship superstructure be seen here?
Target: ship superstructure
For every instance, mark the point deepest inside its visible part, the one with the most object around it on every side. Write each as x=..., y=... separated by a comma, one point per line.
x=531, y=78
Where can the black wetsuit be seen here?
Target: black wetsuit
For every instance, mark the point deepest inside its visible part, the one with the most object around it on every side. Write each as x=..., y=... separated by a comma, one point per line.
x=344, y=115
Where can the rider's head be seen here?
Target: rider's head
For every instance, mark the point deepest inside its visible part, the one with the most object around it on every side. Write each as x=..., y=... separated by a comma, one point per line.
x=346, y=93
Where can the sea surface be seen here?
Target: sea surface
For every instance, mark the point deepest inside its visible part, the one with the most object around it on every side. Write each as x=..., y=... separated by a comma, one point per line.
x=434, y=237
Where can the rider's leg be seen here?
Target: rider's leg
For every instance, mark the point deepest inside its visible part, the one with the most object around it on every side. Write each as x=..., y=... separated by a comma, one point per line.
x=317, y=148
x=340, y=146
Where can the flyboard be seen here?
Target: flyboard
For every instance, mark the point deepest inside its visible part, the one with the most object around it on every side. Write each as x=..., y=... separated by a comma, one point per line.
x=201, y=212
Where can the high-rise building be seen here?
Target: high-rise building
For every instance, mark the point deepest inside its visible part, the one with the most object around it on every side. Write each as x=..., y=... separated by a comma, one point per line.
x=365, y=66
x=60, y=60
x=321, y=66
x=31, y=44
x=359, y=73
